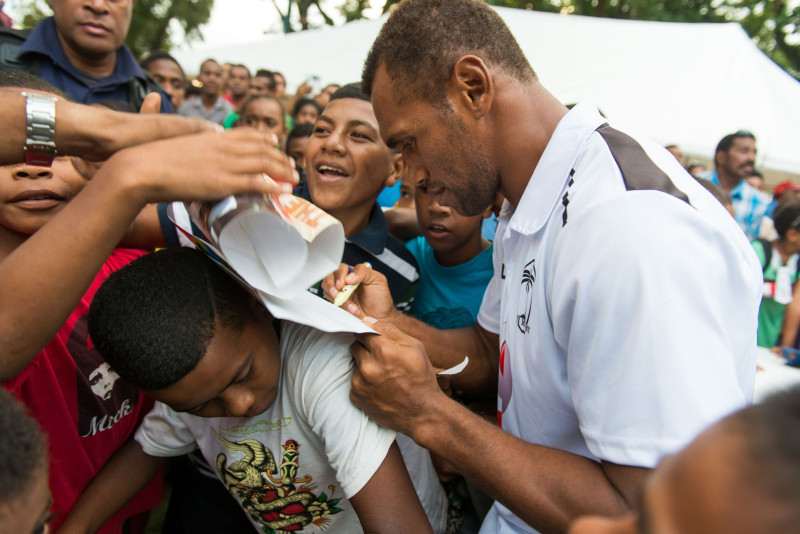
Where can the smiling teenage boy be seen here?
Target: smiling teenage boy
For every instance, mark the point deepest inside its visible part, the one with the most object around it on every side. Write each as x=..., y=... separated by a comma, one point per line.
x=266, y=402
x=347, y=166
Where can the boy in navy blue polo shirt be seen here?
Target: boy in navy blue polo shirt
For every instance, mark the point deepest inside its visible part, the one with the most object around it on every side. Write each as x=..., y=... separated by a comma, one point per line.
x=347, y=166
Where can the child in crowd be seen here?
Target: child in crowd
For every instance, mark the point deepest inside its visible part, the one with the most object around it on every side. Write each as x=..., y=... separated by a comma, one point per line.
x=347, y=165
x=305, y=111
x=264, y=113
x=84, y=408
x=455, y=266
x=267, y=403
x=779, y=313
x=55, y=214
x=297, y=142
x=455, y=263
x=24, y=494
x=740, y=476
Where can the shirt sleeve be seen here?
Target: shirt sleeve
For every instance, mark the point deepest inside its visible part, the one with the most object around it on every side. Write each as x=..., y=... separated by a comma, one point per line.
x=649, y=319
x=163, y=433
x=354, y=444
x=489, y=313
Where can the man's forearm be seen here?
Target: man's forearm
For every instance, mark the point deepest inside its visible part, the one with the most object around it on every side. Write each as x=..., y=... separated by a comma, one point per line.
x=447, y=348
x=546, y=487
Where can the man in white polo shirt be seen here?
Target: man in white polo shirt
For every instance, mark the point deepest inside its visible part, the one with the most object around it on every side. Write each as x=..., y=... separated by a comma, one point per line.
x=614, y=346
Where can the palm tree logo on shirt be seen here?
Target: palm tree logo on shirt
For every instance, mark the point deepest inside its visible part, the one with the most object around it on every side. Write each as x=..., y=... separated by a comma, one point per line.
x=528, y=278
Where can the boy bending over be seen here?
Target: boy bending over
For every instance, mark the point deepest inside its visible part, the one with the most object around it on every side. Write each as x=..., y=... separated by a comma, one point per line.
x=267, y=403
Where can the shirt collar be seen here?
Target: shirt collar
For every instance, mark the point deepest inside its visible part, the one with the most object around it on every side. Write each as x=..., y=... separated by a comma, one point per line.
x=372, y=237
x=553, y=169
x=43, y=40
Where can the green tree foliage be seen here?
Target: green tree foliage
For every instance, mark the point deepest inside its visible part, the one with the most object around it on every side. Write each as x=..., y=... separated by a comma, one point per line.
x=303, y=7
x=152, y=24
x=774, y=25
x=353, y=9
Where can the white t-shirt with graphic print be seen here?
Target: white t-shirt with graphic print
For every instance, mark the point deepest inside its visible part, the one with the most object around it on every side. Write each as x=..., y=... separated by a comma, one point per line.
x=299, y=461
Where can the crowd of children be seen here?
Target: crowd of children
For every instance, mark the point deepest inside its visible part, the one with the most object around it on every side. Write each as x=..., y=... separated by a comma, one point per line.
x=124, y=356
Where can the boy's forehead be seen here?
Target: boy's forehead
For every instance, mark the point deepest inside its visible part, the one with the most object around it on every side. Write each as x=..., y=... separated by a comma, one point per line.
x=351, y=109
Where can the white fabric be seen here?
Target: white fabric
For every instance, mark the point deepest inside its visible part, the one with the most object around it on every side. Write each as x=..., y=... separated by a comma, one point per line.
x=684, y=83
x=339, y=447
x=641, y=310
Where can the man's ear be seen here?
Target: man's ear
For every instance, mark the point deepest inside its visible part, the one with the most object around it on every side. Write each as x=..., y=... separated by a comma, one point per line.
x=488, y=211
x=471, y=85
x=398, y=167
x=719, y=158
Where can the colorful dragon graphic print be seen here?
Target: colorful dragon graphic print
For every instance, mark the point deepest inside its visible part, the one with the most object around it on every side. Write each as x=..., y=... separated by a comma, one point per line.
x=272, y=494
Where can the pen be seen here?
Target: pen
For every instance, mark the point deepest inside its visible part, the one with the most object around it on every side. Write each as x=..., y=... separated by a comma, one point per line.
x=348, y=290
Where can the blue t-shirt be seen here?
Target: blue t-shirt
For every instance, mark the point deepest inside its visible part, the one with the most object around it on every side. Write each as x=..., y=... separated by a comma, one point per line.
x=449, y=297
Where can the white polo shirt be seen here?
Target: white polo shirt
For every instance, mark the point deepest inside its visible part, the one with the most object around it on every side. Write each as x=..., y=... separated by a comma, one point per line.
x=626, y=300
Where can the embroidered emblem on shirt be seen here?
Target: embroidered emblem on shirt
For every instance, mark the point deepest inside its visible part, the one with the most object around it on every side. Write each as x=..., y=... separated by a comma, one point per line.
x=528, y=278
x=269, y=493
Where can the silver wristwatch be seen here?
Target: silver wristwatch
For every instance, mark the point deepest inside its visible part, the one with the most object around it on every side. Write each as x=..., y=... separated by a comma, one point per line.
x=40, y=145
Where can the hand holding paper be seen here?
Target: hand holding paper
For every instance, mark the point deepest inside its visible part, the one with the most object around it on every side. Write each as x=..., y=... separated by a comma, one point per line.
x=277, y=245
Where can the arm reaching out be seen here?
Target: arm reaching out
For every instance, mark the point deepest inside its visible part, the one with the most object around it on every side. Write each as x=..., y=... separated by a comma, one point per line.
x=445, y=348
x=395, y=384
x=36, y=297
x=92, y=132
x=125, y=473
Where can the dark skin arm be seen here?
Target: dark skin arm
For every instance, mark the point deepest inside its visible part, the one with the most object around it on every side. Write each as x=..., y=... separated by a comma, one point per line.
x=445, y=348
x=388, y=502
x=403, y=223
x=92, y=132
x=394, y=382
x=82, y=235
x=145, y=231
x=123, y=476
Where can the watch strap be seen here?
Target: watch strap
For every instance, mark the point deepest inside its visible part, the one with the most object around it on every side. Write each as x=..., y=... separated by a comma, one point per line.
x=40, y=144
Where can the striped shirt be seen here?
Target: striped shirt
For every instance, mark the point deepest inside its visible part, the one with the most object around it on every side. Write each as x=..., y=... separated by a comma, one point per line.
x=749, y=206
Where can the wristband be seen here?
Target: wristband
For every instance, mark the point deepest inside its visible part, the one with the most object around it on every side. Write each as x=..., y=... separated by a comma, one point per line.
x=40, y=145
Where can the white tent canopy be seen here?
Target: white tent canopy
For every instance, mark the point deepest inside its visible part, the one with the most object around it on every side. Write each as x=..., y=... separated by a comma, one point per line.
x=681, y=83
